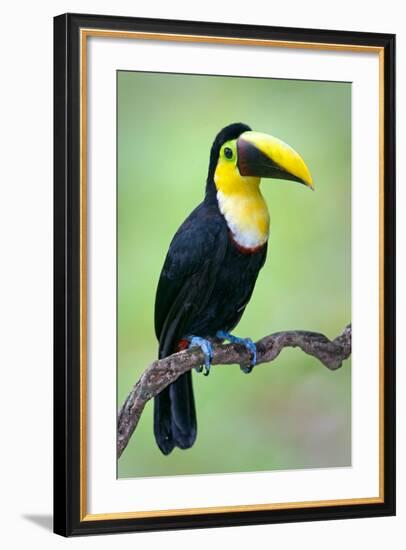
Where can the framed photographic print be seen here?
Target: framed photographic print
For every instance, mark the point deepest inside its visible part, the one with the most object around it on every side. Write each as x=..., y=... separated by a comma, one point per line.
x=224, y=274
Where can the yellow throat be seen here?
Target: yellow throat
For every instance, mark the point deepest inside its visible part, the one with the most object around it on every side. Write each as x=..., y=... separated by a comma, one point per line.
x=242, y=205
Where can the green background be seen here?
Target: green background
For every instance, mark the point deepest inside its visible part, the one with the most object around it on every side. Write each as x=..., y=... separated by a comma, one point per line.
x=292, y=413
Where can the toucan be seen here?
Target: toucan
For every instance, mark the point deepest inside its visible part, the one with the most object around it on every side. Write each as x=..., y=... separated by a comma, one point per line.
x=213, y=263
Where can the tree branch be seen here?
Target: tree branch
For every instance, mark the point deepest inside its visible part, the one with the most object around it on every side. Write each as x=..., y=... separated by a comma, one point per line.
x=163, y=372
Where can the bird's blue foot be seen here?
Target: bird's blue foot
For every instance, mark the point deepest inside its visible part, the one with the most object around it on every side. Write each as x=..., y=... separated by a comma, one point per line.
x=247, y=342
x=207, y=349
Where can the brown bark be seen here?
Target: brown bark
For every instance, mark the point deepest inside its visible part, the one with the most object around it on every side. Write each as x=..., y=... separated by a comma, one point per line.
x=161, y=373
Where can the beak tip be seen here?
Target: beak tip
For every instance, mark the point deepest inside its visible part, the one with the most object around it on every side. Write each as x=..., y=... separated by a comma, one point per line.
x=308, y=181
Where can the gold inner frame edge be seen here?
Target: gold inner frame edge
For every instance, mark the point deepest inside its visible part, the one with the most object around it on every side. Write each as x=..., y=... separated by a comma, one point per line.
x=84, y=34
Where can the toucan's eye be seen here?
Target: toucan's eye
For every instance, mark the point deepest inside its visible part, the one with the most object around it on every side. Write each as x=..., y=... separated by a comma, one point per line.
x=228, y=153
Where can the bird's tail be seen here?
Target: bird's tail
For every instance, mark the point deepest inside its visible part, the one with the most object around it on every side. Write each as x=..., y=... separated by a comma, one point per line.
x=175, y=415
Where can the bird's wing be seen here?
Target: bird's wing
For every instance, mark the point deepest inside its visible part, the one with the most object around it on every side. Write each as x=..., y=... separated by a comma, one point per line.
x=188, y=275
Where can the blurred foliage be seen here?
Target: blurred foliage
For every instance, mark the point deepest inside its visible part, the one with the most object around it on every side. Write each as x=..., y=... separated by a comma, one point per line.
x=293, y=413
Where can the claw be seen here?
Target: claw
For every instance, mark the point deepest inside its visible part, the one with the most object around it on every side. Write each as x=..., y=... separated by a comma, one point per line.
x=206, y=347
x=247, y=342
x=246, y=369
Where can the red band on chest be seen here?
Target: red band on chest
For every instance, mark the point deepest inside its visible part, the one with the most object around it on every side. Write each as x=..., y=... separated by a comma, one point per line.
x=243, y=249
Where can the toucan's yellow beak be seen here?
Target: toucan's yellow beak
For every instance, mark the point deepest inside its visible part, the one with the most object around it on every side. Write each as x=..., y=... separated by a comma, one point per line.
x=265, y=156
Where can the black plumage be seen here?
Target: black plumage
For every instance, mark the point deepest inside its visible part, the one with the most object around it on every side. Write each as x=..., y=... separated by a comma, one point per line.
x=205, y=285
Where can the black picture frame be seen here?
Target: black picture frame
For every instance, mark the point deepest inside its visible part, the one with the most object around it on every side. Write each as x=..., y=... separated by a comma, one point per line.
x=68, y=520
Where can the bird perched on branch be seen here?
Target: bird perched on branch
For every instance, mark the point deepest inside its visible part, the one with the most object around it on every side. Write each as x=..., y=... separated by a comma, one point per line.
x=212, y=265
